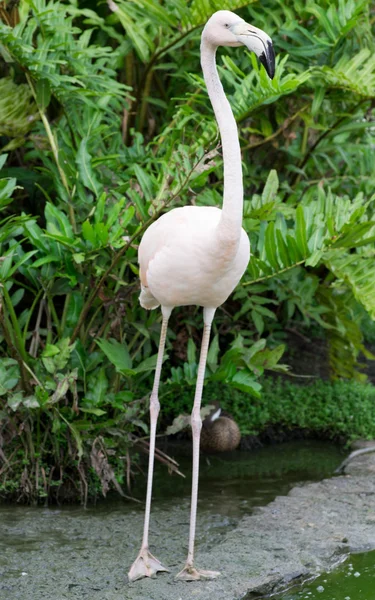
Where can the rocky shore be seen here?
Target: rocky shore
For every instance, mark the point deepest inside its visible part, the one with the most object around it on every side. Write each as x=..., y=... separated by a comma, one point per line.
x=292, y=539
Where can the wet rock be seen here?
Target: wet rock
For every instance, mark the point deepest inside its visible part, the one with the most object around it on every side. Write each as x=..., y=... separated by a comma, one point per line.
x=361, y=461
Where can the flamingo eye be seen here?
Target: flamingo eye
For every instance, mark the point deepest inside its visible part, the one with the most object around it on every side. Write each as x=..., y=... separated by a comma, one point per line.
x=226, y=25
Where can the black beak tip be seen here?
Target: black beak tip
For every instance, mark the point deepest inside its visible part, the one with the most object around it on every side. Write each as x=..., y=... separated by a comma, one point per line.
x=267, y=59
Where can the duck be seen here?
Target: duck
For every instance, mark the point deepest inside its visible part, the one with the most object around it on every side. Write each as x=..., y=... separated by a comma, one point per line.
x=220, y=433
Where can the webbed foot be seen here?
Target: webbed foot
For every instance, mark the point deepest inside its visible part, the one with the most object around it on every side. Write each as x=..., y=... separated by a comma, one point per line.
x=190, y=573
x=145, y=565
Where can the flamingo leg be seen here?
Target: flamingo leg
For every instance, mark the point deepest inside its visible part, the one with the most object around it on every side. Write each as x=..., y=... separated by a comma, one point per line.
x=146, y=565
x=190, y=572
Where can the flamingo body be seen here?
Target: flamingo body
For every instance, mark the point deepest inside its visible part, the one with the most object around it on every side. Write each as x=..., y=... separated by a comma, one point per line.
x=183, y=260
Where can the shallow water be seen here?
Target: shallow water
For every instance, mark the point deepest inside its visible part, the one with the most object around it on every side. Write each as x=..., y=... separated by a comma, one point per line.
x=354, y=580
x=63, y=545
x=230, y=485
x=235, y=482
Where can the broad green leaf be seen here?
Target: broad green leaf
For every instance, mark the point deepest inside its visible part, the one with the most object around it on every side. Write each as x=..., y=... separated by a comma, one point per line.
x=21, y=261
x=300, y=230
x=14, y=401
x=43, y=93
x=74, y=308
x=88, y=233
x=7, y=187
x=282, y=250
x=246, y=383
x=17, y=297
x=58, y=222
x=50, y=350
x=191, y=351
x=79, y=257
x=127, y=216
x=270, y=246
x=148, y=364
x=267, y=358
x=85, y=169
x=258, y=321
x=5, y=265
x=258, y=346
x=117, y=353
x=45, y=260
x=3, y=159
x=213, y=352
x=100, y=208
x=98, y=412
x=271, y=187
x=101, y=387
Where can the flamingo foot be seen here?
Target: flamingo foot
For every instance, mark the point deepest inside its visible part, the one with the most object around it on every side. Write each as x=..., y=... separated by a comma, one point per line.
x=145, y=565
x=190, y=573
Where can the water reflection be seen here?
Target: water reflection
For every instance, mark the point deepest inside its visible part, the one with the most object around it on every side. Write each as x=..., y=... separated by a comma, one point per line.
x=236, y=482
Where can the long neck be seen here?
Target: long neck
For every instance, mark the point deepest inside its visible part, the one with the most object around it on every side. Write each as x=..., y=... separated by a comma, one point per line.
x=230, y=223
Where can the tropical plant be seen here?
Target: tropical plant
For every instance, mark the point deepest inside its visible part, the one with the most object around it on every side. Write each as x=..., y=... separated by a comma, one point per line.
x=104, y=125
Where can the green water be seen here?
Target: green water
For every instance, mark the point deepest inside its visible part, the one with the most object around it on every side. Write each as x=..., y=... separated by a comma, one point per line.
x=354, y=580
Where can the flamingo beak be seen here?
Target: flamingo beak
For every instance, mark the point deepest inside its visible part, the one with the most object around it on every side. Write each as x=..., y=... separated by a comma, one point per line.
x=267, y=59
x=256, y=41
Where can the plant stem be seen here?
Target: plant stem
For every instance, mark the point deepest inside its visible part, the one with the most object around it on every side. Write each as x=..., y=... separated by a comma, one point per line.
x=276, y=274
x=65, y=312
x=274, y=135
x=6, y=327
x=54, y=316
x=129, y=68
x=84, y=337
x=18, y=338
x=31, y=310
x=133, y=340
x=144, y=102
x=139, y=348
x=55, y=152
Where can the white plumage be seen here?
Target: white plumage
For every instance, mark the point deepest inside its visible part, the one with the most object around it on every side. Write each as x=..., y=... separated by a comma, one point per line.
x=183, y=260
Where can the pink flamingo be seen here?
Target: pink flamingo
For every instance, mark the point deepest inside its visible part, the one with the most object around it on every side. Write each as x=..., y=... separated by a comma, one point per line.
x=197, y=255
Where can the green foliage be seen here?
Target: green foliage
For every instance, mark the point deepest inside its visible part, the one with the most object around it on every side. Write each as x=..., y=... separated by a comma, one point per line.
x=342, y=409
x=329, y=232
x=16, y=119
x=107, y=124
x=240, y=366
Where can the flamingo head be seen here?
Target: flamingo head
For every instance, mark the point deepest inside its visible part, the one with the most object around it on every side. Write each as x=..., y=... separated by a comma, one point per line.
x=225, y=28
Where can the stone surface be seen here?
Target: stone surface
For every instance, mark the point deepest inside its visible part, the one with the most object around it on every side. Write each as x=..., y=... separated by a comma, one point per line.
x=295, y=537
x=362, y=465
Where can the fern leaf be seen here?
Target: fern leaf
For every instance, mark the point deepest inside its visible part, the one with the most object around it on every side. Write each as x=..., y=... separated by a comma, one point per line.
x=357, y=272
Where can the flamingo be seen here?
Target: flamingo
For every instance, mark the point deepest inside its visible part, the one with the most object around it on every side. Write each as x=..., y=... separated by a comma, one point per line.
x=196, y=256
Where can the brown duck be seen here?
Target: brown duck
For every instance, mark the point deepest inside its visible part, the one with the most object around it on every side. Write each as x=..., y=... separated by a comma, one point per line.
x=219, y=433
